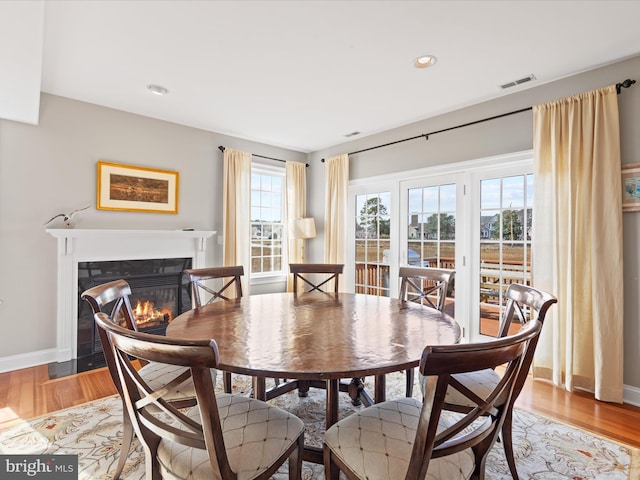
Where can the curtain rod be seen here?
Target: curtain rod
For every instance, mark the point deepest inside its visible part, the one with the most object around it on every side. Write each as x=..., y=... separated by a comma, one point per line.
x=222, y=149
x=619, y=86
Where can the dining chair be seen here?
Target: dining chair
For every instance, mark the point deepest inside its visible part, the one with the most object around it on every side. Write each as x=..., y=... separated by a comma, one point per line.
x=524, y=305
x=223, y=436
x=201, y=286
x=117, y=293
x=427, y=286
x=301, y=272
x=410, y=439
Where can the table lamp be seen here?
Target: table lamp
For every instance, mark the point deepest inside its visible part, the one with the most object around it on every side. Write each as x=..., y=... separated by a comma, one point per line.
x=303, y=228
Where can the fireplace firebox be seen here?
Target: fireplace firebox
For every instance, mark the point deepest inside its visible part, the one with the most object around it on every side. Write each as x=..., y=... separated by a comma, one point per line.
x=159, y=292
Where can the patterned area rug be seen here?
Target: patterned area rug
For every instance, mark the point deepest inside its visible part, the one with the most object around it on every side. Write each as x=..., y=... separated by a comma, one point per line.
x=545, y=449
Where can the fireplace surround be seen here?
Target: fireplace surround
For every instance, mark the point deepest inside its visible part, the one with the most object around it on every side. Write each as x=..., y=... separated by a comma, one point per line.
x=75, y=246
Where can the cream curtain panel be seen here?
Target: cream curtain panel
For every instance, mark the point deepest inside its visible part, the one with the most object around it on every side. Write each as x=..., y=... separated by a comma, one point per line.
x=236, y=202
x=577, y=252
x=335, y=214
x=296, y=180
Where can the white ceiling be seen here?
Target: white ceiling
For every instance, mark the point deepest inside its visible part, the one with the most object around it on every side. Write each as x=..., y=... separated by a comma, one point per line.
x=302, y=74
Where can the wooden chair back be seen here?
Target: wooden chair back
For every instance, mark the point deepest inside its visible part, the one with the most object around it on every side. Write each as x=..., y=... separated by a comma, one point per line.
x=422, y=284
x=479, y=427
x=156, y=418
x=199, y=276
x=144, y=402
x=409, y=429
x=300, y=271
x=524, y=304
x=100, y=296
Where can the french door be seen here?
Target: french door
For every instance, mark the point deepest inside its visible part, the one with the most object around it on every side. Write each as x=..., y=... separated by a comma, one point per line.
x=474, y=217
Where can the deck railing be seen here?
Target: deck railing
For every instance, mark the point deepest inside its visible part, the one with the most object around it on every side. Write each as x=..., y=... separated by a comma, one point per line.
x=373, y=279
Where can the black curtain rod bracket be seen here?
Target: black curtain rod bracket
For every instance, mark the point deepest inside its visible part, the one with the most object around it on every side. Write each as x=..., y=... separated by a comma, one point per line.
x=222, y=149
x=619, y=86
x=626, y=84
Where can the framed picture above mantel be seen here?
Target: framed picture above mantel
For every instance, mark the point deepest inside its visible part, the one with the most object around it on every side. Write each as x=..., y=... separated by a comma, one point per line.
x=136, y=189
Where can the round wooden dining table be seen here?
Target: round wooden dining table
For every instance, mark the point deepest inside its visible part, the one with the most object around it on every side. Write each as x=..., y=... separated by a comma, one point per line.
x=317, y=339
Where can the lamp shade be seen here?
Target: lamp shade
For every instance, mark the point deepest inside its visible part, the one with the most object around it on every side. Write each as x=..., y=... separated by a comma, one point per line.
x=304, y=228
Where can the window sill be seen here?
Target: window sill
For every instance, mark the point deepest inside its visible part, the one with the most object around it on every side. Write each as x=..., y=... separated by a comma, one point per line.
x=266, y=279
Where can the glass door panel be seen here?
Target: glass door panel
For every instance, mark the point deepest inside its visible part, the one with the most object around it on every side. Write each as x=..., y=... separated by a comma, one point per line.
x=505, y=243
x=431, y=230
x=372, y=243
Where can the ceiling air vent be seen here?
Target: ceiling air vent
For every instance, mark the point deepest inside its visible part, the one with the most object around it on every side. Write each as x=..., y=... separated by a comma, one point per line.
x=352, y=134
x=520, y=81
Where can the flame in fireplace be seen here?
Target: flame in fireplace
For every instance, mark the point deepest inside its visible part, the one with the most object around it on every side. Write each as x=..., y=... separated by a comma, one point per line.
x=145, y=312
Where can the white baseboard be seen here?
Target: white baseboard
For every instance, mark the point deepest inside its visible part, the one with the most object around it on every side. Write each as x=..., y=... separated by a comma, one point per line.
x=26, y=360
x=631, y=395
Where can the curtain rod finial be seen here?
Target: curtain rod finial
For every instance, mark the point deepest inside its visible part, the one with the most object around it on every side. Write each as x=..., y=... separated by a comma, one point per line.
x=221, y=148
x=626, y=84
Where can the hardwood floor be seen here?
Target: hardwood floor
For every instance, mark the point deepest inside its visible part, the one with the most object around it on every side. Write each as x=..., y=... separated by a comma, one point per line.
x=29, y=393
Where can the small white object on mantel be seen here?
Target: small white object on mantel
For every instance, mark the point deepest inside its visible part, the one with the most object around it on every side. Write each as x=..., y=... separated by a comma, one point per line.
x=88, y=245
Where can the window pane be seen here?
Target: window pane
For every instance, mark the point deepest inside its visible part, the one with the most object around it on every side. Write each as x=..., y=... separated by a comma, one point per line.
x=513, y=192
x=430, y=199
x=490, y=224
x=490, y=193
x=447, y=226
x=448, y=198
x=415, y=200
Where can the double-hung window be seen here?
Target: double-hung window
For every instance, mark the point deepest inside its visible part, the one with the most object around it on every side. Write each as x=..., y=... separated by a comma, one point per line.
x=267, y=221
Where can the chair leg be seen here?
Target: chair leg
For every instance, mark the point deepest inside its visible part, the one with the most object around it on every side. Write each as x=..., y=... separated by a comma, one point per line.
x=331, y=470
x=508, y=444
x=127, y=440
x=409, y=375
x=295, y=460
x=226, y=381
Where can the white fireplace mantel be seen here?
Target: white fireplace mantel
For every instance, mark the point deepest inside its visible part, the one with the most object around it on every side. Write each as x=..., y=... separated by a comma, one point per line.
x=87, y=245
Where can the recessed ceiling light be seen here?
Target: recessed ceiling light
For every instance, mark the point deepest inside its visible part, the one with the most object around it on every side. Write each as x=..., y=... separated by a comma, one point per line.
x=157, y=89
x=425, y=61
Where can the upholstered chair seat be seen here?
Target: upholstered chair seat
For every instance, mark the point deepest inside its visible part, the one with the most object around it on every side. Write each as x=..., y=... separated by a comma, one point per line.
x=377, y=443
x=407, y=439
x=155, y=374
x=255, y=435
x=480, y=383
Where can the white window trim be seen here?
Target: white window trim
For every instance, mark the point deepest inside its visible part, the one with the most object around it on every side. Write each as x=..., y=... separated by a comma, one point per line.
x=280, y=276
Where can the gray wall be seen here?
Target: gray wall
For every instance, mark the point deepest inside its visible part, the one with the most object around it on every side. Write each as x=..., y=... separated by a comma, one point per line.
x=51, y=168
x=508, y=134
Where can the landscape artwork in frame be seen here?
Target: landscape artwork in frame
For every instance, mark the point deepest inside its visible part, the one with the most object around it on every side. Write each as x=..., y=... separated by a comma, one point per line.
x=136, y=189
x=631, y=187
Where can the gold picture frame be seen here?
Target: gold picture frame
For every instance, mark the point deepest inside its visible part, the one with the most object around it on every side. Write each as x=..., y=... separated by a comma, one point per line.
x=136, y=189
